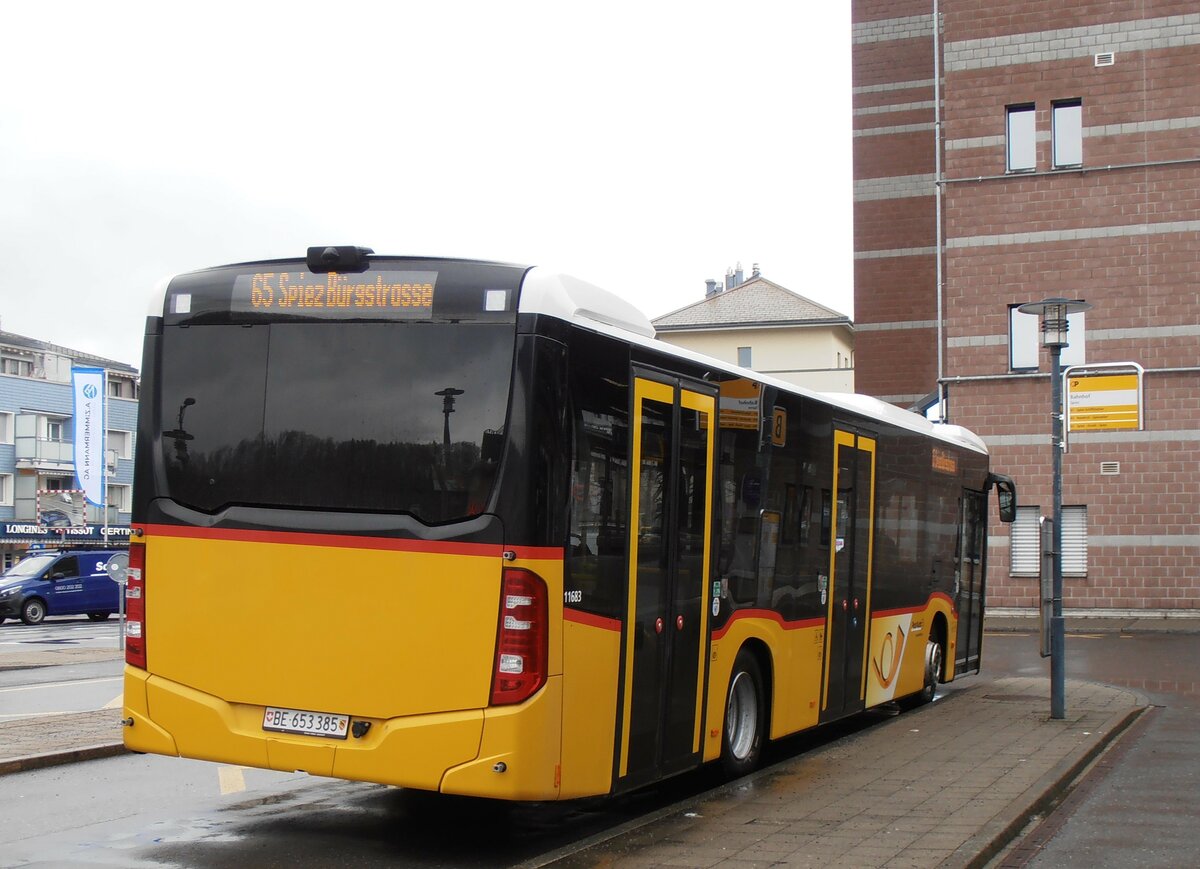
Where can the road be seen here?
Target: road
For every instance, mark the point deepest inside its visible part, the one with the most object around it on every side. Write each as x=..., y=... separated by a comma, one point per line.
x=78, y=687
x=153, y=811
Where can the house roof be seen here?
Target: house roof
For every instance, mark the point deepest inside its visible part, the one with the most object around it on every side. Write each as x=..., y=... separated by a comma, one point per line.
x=11, y=339
x=757, y=302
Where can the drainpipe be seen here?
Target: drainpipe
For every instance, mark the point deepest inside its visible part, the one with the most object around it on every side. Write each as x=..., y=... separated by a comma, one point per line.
x=937, y=183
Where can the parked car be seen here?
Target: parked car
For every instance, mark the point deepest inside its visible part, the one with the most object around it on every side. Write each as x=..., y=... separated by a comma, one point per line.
x=59, y=583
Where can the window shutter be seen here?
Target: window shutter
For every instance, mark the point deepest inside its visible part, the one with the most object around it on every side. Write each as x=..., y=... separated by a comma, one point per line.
x=1025, y=545
x=1074, y=541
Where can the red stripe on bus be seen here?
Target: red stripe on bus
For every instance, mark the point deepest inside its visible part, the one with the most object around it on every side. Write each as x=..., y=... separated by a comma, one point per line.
x=591, y=620
x=882, y=614
x=767, y=614
x=341, y=541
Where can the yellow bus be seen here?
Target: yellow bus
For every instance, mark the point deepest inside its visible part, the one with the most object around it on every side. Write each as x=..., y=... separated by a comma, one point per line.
x=469, y=527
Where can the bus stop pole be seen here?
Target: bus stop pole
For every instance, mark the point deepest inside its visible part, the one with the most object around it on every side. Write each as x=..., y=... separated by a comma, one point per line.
x=1058, y=662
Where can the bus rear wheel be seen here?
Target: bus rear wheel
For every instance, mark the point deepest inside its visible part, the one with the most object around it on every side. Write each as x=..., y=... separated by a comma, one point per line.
x=745, y=717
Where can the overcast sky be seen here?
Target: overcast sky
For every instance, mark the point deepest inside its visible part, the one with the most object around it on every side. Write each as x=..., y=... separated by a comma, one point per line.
x=642, y=146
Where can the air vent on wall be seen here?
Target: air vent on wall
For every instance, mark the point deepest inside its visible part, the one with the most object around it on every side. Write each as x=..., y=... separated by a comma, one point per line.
x=1106, y=58
x=1110, y=469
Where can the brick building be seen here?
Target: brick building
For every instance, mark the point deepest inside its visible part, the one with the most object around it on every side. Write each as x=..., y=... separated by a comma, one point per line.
x=1027, y=150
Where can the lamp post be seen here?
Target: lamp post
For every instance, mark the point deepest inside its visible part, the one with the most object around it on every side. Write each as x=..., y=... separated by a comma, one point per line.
x=1053, y=313
x=448, y=395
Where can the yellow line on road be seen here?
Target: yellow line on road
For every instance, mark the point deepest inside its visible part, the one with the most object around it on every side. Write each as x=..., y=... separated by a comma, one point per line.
x=232, y=780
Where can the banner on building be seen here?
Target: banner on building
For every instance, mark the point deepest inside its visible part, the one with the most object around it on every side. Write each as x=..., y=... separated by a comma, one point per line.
x=88, y=389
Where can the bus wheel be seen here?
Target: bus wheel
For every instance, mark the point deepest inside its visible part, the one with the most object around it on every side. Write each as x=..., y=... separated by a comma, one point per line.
x=745, y=717
x=33, y=612
x=933, y=670
x=99, y=617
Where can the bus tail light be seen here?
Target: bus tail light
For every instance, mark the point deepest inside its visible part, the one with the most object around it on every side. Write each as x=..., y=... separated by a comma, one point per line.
x=135, y=607
x=522, y=639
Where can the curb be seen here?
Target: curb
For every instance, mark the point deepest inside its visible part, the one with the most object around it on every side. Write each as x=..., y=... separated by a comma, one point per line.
x=981, y=848
x=55, y=758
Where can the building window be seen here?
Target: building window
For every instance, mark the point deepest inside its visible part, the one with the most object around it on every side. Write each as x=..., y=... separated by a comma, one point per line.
x=6, y=427
x=119, y=497
x=1025, y=543
x=1025, y=340
x=55, y=430
x=1022, y=138
x=121, y=442
x=1067, y=133
x=13, y=365
x=744, y=357
x=1074, y=540
x=6, y=490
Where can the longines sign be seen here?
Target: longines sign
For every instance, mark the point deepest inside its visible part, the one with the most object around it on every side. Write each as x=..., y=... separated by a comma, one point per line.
x=41, y=532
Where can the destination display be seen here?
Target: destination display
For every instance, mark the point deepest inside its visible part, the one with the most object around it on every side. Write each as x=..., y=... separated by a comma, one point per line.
x=391, y=295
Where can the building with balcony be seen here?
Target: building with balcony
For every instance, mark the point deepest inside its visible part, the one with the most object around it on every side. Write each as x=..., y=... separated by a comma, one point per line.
x=37, y=462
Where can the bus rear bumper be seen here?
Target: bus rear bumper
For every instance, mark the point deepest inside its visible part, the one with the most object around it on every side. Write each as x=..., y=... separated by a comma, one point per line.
x=506, y=752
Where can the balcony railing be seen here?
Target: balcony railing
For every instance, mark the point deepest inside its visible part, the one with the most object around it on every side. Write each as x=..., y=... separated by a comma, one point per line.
x=39, y=451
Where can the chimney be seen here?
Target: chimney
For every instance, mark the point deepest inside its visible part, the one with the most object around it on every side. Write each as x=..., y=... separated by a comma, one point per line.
x=737, y=276
x=729, y=284
x=754, y=272
x=711, y=288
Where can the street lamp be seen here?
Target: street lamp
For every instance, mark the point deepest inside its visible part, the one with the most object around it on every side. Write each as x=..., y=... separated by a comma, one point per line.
x=1054, y=314
x=448, y=395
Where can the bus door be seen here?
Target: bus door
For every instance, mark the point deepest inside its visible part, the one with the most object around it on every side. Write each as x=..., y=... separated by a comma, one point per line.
x=848, y=614
x=666, y=622
x=969, y=581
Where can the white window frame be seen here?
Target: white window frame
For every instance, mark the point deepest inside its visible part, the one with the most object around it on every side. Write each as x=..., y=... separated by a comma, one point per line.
x=8, y=420
x=1066, y=133
x=120, y=496
x=126, y=439
x=1020, y=137
x=745, y=353
x=1025, y=542
x=6, y=490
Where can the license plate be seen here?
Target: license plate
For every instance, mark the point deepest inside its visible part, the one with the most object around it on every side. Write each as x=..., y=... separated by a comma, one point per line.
x=308, y=723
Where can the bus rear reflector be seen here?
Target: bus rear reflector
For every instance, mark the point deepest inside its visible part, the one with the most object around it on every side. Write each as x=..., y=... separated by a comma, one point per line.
x=522, y=638
x=135, y=607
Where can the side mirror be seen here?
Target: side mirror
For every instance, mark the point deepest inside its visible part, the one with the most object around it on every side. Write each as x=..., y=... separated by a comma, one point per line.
x=1006, y=496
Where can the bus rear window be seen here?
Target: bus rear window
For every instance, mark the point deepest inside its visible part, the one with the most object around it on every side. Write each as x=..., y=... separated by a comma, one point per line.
x=370, y=416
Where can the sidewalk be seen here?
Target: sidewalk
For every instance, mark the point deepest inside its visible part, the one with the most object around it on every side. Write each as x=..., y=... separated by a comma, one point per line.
x=948, y=784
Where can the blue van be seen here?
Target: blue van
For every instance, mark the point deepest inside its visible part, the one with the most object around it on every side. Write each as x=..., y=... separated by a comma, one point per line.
x=59, y=583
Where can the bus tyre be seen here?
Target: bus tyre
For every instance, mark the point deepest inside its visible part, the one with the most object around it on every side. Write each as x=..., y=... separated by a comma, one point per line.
x=933, y=671
x=33, y=612
x=99, y=617
x=745, y=717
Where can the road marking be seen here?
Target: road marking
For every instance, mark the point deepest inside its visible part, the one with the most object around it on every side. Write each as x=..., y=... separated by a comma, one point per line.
x=232, y=780
x=63, y=684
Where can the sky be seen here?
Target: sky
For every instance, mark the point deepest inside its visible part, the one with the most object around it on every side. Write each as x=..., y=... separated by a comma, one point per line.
x=642, y=146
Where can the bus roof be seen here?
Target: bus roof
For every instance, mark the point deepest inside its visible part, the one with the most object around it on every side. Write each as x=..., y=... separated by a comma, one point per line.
x=591, y=307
